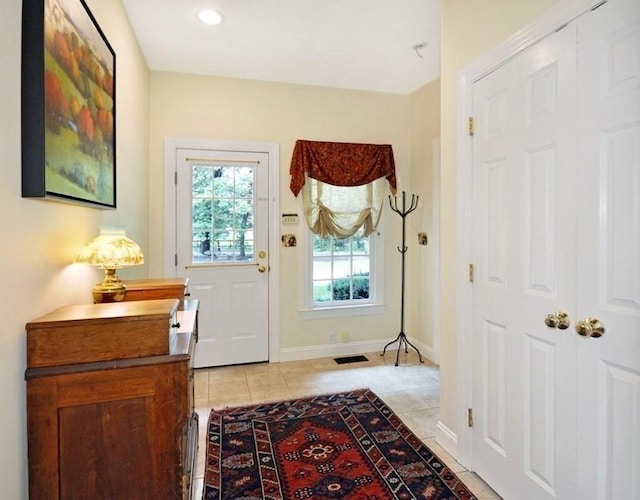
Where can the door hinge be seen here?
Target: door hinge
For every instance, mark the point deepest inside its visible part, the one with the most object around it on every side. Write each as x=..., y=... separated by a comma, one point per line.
x=471, y=126
x=470, y=273
x=175, y=178
x=470, y=417
x=175, y=259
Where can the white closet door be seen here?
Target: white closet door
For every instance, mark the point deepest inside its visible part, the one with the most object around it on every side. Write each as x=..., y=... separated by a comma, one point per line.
x=557, y=228
x=608, y=289
x=524, y=253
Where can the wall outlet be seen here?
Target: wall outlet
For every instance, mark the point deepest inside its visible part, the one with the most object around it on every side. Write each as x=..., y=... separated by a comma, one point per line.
x=332, y=338
x=344, y=337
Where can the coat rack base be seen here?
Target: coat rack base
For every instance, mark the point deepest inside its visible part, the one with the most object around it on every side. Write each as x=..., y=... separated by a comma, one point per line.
x=402, y=339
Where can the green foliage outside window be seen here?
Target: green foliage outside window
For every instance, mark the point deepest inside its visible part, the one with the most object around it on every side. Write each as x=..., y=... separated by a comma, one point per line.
x=222, y=212
x=341, y=269
x=351, y=289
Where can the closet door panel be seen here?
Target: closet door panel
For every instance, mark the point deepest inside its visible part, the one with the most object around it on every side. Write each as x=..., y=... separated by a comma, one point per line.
x=608, y=281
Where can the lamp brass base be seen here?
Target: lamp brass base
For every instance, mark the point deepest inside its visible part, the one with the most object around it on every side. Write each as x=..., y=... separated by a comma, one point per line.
x=101, y=295
x=110, y=290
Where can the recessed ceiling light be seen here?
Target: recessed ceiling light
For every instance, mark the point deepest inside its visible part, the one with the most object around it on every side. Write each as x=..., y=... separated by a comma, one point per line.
x=209, y=16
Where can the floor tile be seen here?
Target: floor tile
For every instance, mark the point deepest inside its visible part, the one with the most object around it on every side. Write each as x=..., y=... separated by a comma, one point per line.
x=421, y=422
x=270, y=379
x=270, y=394
x=443, y=455
x=411, y=390
x=409, y=400
x=478, y=487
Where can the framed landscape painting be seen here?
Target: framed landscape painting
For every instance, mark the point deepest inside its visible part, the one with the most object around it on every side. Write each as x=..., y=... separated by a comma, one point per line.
x=68, y=105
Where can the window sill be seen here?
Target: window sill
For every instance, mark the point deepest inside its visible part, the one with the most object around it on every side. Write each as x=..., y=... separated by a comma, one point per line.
x=341, y=311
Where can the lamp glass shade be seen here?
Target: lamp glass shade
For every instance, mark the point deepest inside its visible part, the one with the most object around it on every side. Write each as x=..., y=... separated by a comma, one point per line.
x=110, y=250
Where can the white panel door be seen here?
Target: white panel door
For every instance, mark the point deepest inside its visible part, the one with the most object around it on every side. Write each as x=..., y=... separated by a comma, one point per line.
x=222, y=242
x=523, y=246
x=609, y=251
x=557, y=228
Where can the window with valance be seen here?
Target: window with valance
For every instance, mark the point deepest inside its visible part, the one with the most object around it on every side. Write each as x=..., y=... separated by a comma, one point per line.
x=343, y=185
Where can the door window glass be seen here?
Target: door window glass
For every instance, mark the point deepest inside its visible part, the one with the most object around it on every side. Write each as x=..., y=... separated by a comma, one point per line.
x=222, y=216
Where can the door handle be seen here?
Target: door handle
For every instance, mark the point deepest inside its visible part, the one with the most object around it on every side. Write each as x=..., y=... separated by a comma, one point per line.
x=261, y=268
x=590, y=327
x=559, y=319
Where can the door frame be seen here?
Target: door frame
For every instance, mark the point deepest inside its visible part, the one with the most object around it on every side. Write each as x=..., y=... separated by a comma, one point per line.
x=459, y=443
x=435, y=236
x=171, y=146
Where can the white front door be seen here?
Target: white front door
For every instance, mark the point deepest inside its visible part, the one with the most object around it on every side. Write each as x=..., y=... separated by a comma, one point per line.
x=222, y=218
x=608, y=250
x=556, y=229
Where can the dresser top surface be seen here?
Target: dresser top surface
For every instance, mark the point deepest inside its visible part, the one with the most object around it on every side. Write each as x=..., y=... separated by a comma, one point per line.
x=151, y=283
x=107, y=312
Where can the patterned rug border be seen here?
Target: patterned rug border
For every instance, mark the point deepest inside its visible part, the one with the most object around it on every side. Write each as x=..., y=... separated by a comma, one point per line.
x=228, y=408
x=310, y=406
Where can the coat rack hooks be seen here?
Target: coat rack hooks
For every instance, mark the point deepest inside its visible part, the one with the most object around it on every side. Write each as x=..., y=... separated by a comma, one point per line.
x=403, y=212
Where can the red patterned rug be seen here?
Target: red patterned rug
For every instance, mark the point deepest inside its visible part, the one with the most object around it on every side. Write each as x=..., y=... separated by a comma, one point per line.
x=348, y=445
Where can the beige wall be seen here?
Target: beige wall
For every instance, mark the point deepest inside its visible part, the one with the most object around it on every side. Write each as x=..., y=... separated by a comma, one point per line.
x=191, y=106
x=470, y=28
x=35, y=268
x=40, y=239
x=425, y=129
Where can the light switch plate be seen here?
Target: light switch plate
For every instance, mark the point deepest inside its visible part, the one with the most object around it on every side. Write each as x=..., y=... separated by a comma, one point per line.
x=289, y=218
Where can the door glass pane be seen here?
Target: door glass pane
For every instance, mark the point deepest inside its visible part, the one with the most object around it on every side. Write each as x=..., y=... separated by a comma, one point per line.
x=201, y=241
x=222, y=213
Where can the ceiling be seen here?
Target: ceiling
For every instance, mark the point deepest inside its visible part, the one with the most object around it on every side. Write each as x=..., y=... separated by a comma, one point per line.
x=349, y=44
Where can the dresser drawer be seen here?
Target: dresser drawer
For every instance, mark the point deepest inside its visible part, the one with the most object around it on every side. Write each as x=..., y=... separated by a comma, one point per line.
x=99, y=332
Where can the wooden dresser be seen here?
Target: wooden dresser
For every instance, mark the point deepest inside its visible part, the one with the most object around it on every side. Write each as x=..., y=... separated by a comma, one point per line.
x=156, y=288
x=110, y=401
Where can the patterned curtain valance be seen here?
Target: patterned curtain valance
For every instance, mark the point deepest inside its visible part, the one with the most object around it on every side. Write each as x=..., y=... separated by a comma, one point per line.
x=341, y=164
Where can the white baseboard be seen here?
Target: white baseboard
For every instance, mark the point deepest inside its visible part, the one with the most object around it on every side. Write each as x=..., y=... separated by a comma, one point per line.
x=331, y=350
x=348, y=349
x=425, y=350
x=446, y=438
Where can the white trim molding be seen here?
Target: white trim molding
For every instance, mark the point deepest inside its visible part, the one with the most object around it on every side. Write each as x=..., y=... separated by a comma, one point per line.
x=350, y=349
x=446, y=438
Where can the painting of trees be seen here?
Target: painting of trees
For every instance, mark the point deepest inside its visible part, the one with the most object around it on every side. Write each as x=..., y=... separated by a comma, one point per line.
x=77, y=132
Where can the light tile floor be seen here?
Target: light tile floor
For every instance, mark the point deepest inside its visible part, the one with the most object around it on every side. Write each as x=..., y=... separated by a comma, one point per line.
x=412, y=391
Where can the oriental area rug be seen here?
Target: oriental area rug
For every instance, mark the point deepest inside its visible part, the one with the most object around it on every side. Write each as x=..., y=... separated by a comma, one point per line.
x=348, y=445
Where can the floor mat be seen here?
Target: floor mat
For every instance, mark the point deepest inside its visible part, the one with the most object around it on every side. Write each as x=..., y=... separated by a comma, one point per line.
x=347, y=445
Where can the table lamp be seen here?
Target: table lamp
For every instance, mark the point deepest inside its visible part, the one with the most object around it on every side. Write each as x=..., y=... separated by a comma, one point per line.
x=110, y=251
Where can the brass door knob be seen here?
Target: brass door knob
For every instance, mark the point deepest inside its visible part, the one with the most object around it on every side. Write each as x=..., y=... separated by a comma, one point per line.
x=261, y=268
x=590, y=327
x=559, y=319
